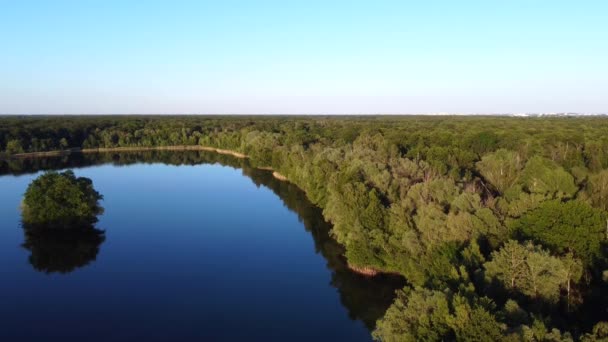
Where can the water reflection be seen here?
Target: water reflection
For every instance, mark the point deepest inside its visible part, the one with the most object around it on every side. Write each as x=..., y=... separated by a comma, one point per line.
x=365, y=298
x=62, y=250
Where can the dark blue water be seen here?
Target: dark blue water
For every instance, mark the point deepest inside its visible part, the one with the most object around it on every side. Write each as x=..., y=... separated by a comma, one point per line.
x=191, y=252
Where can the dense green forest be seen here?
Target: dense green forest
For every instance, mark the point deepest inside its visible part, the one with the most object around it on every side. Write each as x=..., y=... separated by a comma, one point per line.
x=498, y=224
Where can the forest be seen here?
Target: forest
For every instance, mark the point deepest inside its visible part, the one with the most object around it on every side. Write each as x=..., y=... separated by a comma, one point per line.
x=497, y=224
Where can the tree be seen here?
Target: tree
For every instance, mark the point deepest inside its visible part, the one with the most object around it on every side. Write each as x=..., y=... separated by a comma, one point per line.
x=514, y=314
x=473, y=323
x=60, y=201
x=598, y=334
x=573, y=271
x=572, y=226
x=542, y=176
x=544, y=274
x=430, y=315
x=500, y=168
x=416, y=315
x=528, y=269
x=538, y=331
x=508, y=264
x=596, y=191
x=483, y=142
x=63, y=143
x=13, y=147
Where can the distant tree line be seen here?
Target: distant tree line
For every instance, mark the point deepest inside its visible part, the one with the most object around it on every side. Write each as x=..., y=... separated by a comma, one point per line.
x=498, y=224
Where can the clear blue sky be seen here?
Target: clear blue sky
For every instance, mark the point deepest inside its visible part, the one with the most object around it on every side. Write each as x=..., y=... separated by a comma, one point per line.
x=374, y=56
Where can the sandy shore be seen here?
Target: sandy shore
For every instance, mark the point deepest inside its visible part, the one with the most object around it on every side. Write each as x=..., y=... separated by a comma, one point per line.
x=165, y=148
x=129, y=149
x=279, y=176
x=366, y=271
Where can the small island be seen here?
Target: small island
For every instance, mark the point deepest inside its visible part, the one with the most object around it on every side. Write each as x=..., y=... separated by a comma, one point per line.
x=59, y=211
x=60, y=201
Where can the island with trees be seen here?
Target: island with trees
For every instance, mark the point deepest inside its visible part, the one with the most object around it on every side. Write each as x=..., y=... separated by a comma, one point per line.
x=497, y=224
x=59, y=211
x=61, y=201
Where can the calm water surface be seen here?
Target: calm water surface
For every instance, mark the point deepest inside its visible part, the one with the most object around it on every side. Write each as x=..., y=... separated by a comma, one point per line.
x=197, y=246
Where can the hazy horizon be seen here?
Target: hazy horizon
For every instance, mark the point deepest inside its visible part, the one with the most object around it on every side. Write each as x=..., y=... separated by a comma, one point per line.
x=311, y=114
x=315, y=57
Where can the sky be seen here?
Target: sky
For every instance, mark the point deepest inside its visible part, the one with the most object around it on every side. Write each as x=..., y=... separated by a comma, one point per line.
x=303, y=57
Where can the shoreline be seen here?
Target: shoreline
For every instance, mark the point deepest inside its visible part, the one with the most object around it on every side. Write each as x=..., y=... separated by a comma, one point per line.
x=165, y=148
x=26, y=155
x=279, y=176
x=370, y=271
x=364, y=271
x=127, y=149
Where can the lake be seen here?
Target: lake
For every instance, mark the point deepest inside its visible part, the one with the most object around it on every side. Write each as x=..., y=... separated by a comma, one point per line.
x=196, y=246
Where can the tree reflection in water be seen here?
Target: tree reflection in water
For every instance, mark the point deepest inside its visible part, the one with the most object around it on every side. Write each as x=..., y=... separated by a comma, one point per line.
x=62, y=250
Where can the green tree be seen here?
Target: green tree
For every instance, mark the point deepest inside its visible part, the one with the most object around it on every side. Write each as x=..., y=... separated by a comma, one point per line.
x=514, y=314
x=13, y=147
x=63, y=143
x=544, y=274
x=483, y=142
x=564, y=227
x=416, y=315
x=528, y=269
x=60, y=200
x=542, y=176
x=508, y=264
x=426, y=315
x=474, y=323
x=596, y=190
x=500, y=168
x=598, y=334
x=573, y=271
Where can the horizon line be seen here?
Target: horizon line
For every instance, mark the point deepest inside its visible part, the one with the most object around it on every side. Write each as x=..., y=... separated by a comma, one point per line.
x=321, y=114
